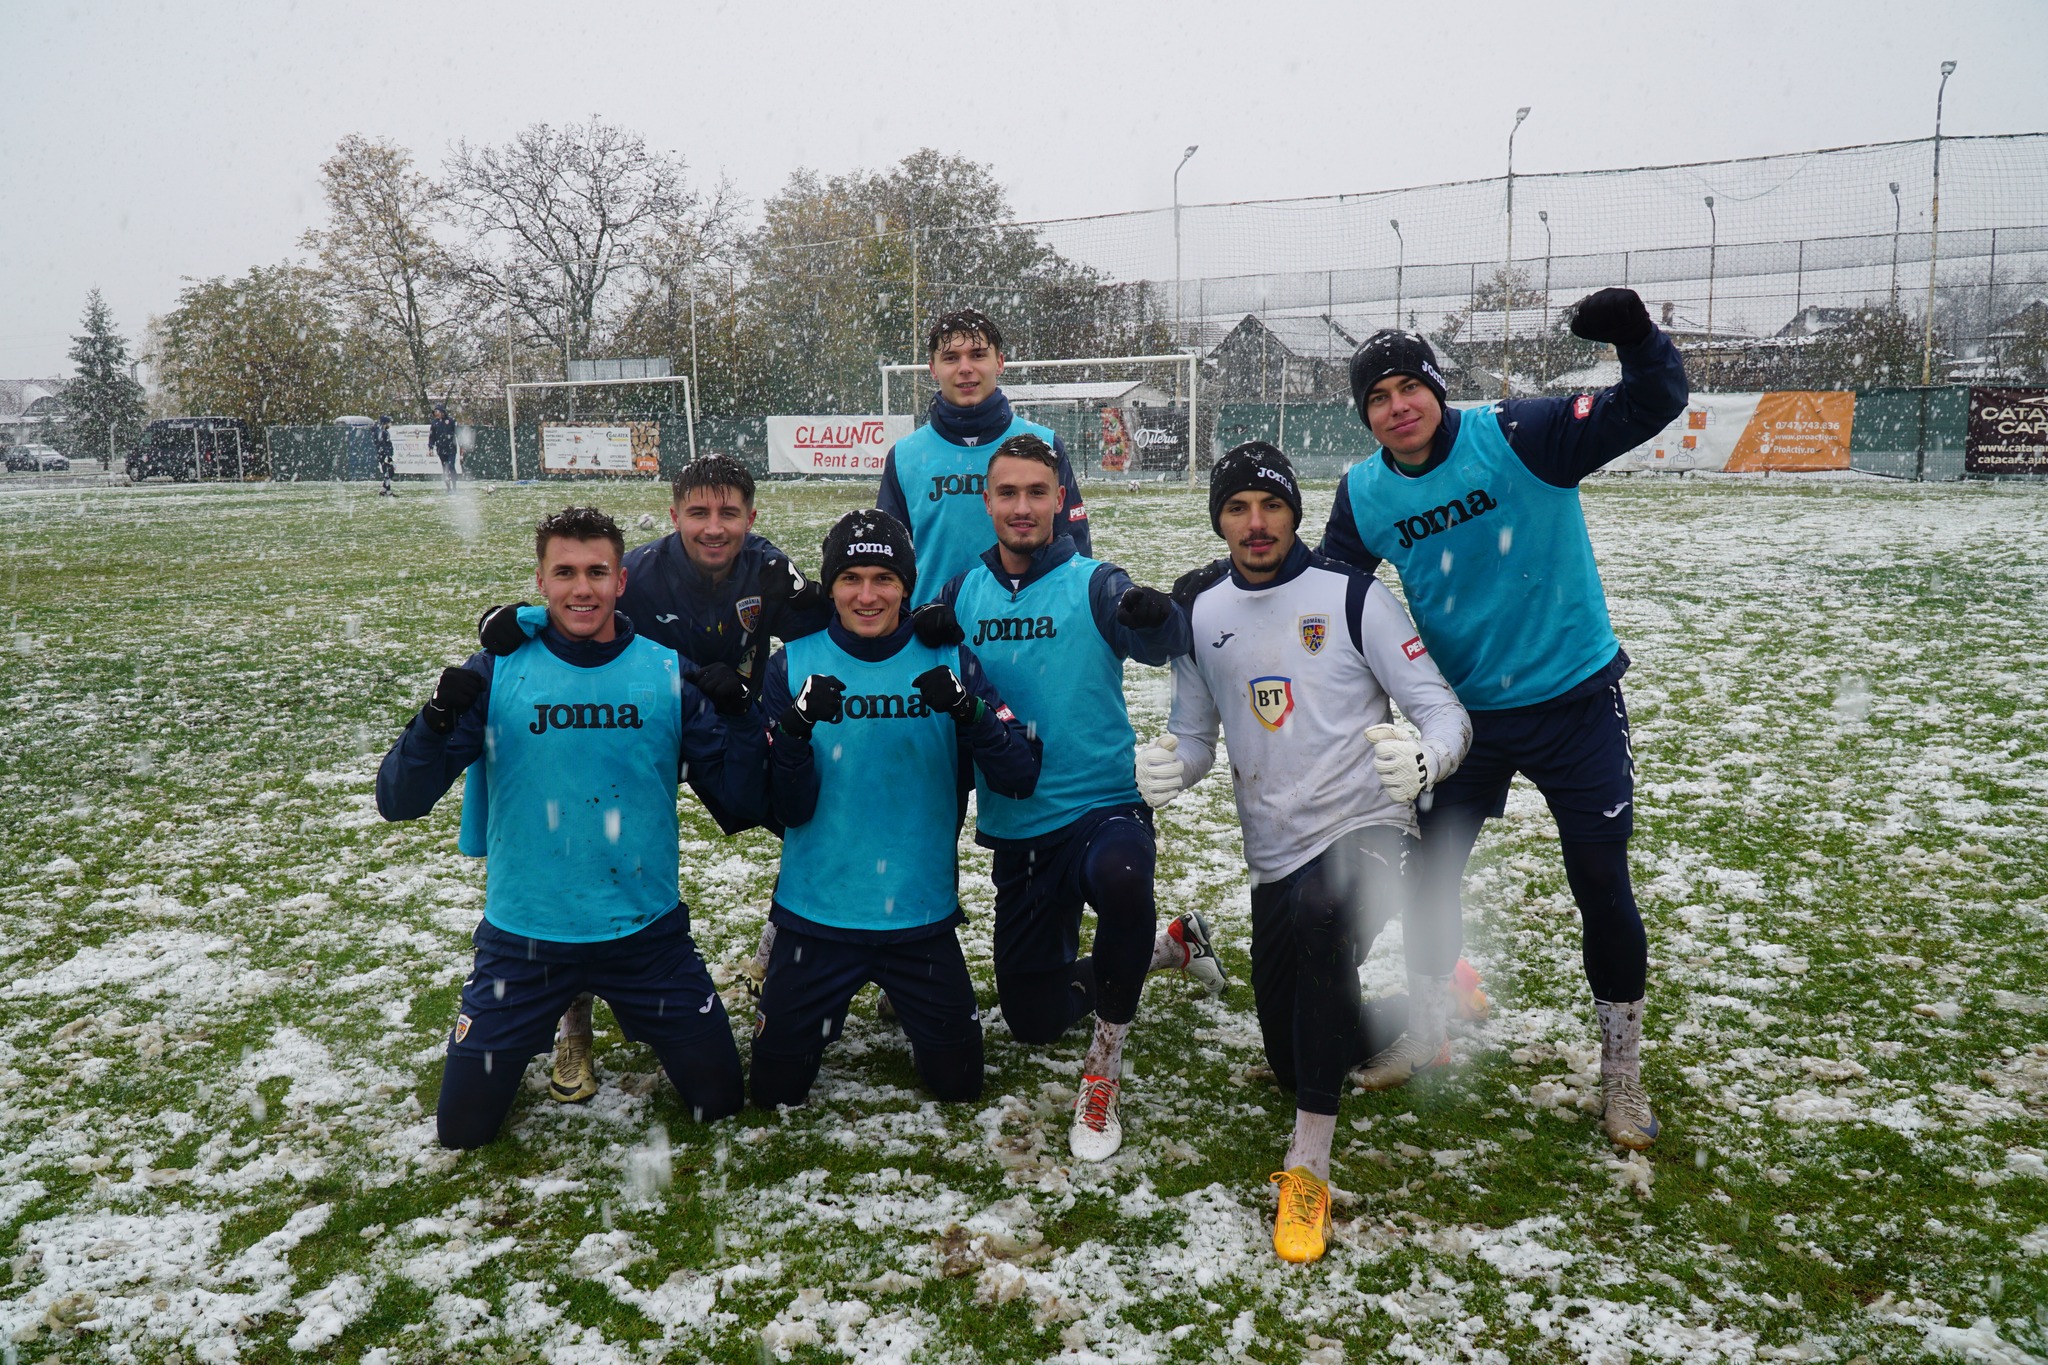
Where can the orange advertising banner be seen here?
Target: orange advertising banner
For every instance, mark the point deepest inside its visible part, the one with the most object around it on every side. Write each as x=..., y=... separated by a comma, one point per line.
x=1796, y=430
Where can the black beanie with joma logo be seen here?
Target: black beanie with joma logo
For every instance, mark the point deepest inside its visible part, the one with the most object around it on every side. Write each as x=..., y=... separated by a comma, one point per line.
x=869, y=536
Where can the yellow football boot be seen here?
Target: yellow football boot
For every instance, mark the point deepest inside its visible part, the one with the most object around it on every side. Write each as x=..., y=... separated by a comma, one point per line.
x=1302, y=1231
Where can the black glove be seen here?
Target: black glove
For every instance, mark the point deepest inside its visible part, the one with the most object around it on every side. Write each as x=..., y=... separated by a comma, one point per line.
x=453, y=695
x=1143, y=608
x=724, y=688
x=935, y=626
x=499, y=631
x=821, y=701
x=1615, y=316
x=942, y=690
x=1195, y=582
x=785, y=585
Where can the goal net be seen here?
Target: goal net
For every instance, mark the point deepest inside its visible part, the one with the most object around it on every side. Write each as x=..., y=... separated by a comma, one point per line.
x=1119, y=417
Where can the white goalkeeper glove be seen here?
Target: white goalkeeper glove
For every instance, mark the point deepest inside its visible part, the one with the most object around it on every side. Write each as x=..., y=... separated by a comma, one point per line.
x=1160, y=775
x=1400, y=760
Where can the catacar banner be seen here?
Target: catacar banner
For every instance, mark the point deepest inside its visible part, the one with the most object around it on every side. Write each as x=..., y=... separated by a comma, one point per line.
x=834, y=445
x=2008, y=432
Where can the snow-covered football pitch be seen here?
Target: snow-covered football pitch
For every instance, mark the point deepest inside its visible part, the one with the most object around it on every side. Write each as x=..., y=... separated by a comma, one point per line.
x=225, y=986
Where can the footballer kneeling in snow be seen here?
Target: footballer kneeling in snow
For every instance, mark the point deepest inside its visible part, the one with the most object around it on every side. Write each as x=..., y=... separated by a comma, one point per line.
x=1052, y=628
x=1294, y=660
x=870, y=724
x=574, y=744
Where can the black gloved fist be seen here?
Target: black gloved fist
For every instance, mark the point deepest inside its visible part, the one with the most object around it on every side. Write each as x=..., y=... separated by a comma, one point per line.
x=723, y=687
x=942, y=690
x=1143, y=608
x=784, y=583
x=1615, y=316
x=498, y=629
x=821, y=701
x=935, y=626
x=453, y=695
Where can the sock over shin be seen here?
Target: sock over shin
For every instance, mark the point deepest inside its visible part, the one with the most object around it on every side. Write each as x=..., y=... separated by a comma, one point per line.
x=1106, y=1054
x=1429, y=1007
x=1621, y=1038
x=1310, y=1146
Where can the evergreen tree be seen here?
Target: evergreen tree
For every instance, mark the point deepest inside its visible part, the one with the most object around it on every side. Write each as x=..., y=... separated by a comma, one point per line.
x=103, y=402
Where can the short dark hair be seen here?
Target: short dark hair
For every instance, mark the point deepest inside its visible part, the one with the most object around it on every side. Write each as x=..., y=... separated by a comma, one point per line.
x=1025, y=446
x=713, y=471
x=964, y=322
x=577, y=523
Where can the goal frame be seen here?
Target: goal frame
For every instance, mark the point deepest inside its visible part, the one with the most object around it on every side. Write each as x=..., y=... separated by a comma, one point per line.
x=1187, y=358
x=512, y=399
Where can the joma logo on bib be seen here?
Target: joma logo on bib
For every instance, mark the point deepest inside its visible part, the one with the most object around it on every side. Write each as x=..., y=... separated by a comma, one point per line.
x=886, y=706
x=1426, y=524
x=1014, y=628
x=948, y=485
x=584, y=716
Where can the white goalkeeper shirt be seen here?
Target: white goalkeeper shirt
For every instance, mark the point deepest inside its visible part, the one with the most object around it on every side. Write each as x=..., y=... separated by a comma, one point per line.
x=1292, y=672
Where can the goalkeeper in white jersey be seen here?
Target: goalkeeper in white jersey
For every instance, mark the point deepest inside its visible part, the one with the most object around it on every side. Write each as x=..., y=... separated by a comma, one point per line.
x=1294, y=660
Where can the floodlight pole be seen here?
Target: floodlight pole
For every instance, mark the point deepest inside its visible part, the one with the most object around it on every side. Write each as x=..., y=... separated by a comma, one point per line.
x=1543, y=364
x=1179, y=326
x=1895, y=244
x=1507, y=297
x=1934, y=233
x=1713, y=247
x=1400, y=265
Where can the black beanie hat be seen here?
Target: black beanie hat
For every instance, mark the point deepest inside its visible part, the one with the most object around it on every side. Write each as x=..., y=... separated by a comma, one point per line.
x=1255, y=464
x=1388, y=352
x=869, y=536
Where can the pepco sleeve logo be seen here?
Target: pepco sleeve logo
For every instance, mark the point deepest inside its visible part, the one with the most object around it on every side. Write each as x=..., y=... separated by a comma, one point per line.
x=1077, y=513
x=1414, y=648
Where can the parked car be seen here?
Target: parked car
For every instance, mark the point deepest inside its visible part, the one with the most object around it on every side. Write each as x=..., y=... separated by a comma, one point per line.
x=35, y=459
x=197, y=448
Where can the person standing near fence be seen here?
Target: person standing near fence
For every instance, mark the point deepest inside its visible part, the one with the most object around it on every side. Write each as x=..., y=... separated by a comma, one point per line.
x=1479, y=513
x=441, y=440
x=387, y=460
x=933, y=478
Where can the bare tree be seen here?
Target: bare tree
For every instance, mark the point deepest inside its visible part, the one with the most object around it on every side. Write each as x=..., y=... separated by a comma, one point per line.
x=382, y=264
x=555, y=215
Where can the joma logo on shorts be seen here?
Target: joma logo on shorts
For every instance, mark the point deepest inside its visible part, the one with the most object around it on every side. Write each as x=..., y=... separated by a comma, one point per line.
x=886, y=706
x=1442, y=518
x=946, y=485
x=584, y=716
x=1014, y=628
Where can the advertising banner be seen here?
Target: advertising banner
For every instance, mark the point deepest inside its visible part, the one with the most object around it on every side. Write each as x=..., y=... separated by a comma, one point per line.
x=410, y=453
x=1116, y=441
x=1161, y=438
x=1700, y=438
x=2008, y=432
x=1795, y=431
x=834, y=445
x=590, y=448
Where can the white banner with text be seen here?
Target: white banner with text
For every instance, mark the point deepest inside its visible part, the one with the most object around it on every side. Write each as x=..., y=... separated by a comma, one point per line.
x=834, y=445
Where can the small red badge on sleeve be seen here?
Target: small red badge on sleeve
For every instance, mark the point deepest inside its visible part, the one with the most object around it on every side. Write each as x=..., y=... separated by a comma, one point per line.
x=1414, y=648
x=1077, y=513
x=1005, y=714
x=1582, y=406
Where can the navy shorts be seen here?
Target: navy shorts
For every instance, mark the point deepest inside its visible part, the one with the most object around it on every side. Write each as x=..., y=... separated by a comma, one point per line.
x=1577, y=753
x=654, y=980
x=812, y=980
x=1040, y=893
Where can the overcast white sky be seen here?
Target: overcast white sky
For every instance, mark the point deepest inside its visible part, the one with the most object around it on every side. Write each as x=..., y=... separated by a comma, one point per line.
x=141, y=143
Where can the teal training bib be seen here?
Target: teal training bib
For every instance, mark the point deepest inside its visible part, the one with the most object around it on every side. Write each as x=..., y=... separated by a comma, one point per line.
x=880, y=852
x=1497, y=567
x=941, y=485
x=578, y=787
x=1046, y=657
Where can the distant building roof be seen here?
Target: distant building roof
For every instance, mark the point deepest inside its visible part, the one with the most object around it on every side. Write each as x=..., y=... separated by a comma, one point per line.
x=1484, y=327
x=18, y=396
x=1306, y=338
